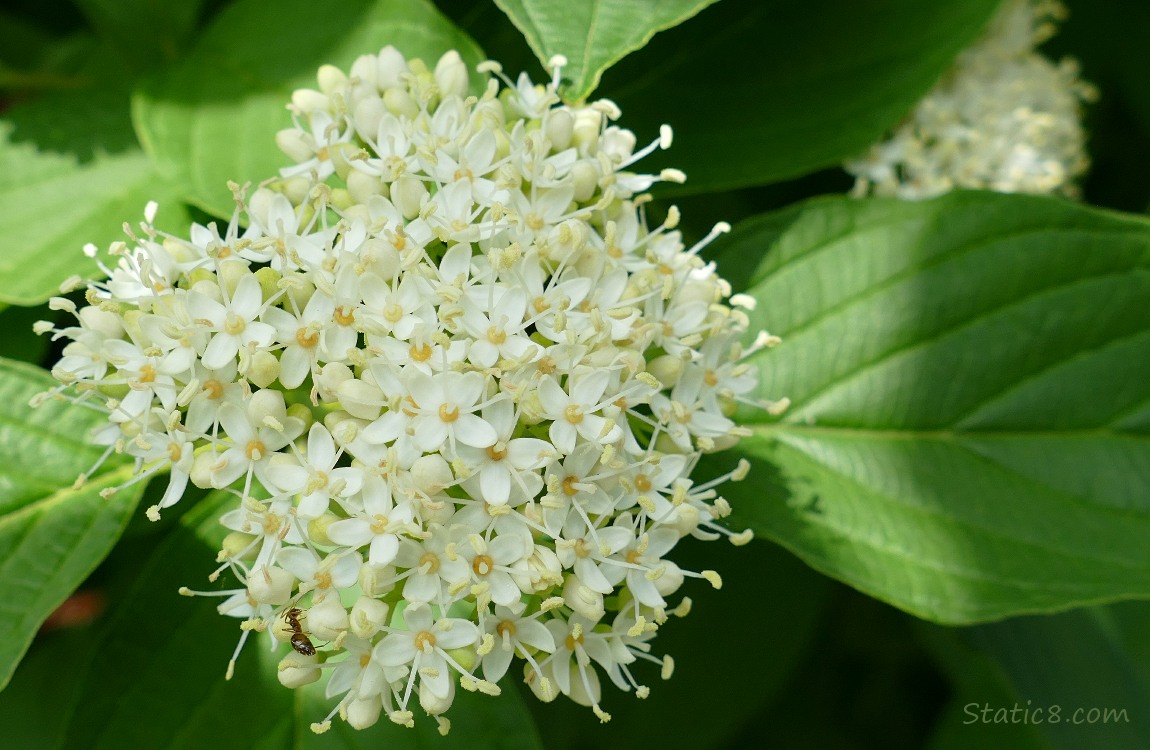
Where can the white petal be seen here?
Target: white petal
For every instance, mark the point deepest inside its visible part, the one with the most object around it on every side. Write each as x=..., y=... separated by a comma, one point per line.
x=383, y=549
x=473, y=431
x=351, y=532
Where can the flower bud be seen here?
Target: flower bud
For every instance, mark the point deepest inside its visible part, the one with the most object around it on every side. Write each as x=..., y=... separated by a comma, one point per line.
x=362, y=713
x=376, y=580
x=407, y=193
x=390, y=68
x=666, y=369
x=296, y=670
x=360, y=399
x=263, y=369
x=431, y=474
x=328, y=618
x=436, y=704
x=202, y=465
x=331, y=80
x=451, y=75
x=585, y=180
x=236, y=544
x=368, y=616
x=366, y=118
x=364, y=69
x=362, y=186
x=330, y=377
x=309, y=100
x=103, y=322
x=582, y=599
x=267, y=403
x=317, y=528
x=400, y=103
x=541, y=686
x=295, y=144
x=270, y=585
x=560, y=129
x=671, y=580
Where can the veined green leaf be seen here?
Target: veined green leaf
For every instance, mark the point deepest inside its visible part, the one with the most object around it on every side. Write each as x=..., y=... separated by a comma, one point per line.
x=144, y=32
x=153, y=675
x=969, y=436
x=765, y=91
x=593, y=36
x=51, y=535
x=214, y=116
x=70, y=174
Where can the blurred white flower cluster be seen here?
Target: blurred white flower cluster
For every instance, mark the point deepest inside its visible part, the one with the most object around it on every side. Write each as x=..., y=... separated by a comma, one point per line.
x=455, y=381
x=1004, y=118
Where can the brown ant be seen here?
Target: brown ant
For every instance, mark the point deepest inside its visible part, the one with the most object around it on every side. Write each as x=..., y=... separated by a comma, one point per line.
x=299, y=640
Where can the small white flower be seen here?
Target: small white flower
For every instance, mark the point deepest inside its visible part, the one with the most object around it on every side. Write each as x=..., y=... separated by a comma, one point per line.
x=233, y=324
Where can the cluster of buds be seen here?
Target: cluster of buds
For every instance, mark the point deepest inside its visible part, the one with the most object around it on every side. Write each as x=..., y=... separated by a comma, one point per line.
x=1004, y=118
x=455, y=382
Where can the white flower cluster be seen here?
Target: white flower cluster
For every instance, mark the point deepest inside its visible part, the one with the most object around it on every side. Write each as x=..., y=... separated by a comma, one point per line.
x=456, y=383
x=1004, y=118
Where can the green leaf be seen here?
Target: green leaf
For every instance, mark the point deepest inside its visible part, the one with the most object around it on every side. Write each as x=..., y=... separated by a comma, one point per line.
x=780, y=604
x=478, y=722
x=213, y=118
x=20, y=341
x=968, y=437
x=1073, y=676
x=70, y=173
x=154, y=675
x=975, y=681
x=593, y=36
x=761, y=92
x=144, y=32
x=28, y=719
x=50, y=538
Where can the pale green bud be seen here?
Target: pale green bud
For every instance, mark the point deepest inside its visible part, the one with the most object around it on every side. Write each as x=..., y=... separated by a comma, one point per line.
x=666, y=369
x=236, y=543
x=262, y=368
x=582, y=599
x=451, y=75
x=327, y=619
x=317, y=528
x=368, y=616
x=362, y=186
x=400, y=103
x=296, y=670
x=270, y=585
x=331, y=79
x=407, y=193
x=560, y=129
x=295, y=144
x=362, y=713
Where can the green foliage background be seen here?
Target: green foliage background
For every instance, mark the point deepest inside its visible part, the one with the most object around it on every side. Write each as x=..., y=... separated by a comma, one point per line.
x=954, y=512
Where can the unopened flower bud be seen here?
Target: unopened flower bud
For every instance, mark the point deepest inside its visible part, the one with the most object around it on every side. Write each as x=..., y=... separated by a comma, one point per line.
x=451, y=74
x=270, y=585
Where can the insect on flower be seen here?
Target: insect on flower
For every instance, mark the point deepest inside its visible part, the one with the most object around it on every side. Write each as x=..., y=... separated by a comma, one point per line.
x=299, y=640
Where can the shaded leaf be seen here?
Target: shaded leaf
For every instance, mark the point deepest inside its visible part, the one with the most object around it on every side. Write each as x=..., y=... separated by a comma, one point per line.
x=761, y=92
x=769, y=598
x=1073, y=679
x=155, y=674
x=144, y=32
